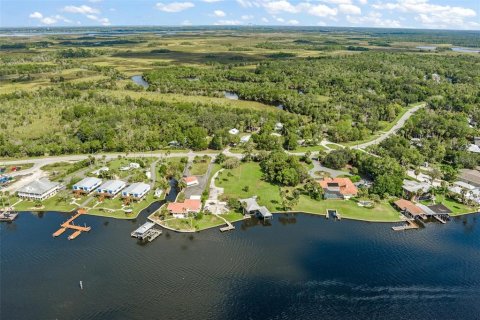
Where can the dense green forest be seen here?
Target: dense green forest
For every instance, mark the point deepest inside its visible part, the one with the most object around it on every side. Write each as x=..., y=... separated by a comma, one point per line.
x=73, y=93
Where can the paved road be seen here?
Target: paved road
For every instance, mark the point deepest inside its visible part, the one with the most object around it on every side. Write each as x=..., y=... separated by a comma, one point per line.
x=400, y=123
x=332, y=172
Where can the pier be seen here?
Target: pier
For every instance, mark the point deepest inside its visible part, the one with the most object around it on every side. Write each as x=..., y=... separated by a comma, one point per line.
x=69, y=225
x=8, y=215
x=408, y=226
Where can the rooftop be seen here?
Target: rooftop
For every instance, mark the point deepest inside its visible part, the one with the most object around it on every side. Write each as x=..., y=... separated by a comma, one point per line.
x=415, y=186
x=138, y=187
x=408, y=206
x=470, y=175
x=88, y=182
x=345, y=184
x=112, y=185
x=188, y=205
x=190, y=179
x=38, y=186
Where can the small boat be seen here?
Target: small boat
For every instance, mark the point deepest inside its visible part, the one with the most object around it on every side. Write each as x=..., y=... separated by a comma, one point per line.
x=81, y=285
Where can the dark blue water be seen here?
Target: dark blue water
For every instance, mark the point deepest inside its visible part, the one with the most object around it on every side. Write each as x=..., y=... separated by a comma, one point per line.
x=298, y=267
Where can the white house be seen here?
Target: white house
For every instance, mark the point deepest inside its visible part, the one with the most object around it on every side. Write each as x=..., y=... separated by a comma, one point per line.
x=136, y=190
x=39, y=190
x=111, y=188
x=87, y=185
x=134, y=165
x=234, y=131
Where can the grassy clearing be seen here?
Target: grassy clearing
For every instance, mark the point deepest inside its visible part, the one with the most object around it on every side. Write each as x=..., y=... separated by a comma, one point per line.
x=333, y=146
x=114, y=208
x=200, y=166
x=55, y=203
x=310, y=148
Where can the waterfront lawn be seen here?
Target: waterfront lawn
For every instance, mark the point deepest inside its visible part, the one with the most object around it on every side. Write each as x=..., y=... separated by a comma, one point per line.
x=382, y=212
x=114, y=208
x=192, y=225
x=235, y=181
x=55, y=203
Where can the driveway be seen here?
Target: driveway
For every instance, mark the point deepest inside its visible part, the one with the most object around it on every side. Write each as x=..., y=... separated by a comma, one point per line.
x=332, y=172
x=202, y=183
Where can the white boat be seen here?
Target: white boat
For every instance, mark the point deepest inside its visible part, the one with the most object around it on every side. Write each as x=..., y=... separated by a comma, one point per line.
x=81, y=285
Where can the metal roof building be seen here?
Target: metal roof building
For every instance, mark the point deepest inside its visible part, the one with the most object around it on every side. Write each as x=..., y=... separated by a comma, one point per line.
x=39, y=189
x=111, y=187
x=136, y=190
x=87, y=184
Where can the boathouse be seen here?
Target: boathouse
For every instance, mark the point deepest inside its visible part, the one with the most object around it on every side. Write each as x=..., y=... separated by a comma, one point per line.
x=251, y=207
x=87, y=185
x=136, y=190
x=39, y=190
x=111, y=188
x=409, y=209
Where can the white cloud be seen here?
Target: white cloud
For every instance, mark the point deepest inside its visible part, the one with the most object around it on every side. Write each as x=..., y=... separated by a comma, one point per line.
x=211, y=1
x=247, y=17
x=95, y=1
x=364, y=2
x=280, y=6
x=280, y=19
x=432, y=15
x=174, y=6
x=349, y=9
x=293, y=22
x=83, y=9
x=102, y=21
x=248, y=3
x=48, y=20
x=186, y=23
x=321, y=10
x=338, y=1
x=374, y=19
x=219, y=13
x=228, y=22
x=265, y=20
x=36, y=15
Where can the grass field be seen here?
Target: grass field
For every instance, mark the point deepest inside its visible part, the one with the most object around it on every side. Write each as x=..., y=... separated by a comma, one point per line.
x=249, y=174
x=200, y=166
x=456, y=207
x=114, y=208
x=206, y=222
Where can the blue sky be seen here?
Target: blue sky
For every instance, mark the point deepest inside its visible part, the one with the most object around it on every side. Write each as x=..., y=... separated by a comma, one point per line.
x=435, y=14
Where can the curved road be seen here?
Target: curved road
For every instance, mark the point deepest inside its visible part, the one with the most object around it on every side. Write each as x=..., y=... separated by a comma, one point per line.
x=400, y=123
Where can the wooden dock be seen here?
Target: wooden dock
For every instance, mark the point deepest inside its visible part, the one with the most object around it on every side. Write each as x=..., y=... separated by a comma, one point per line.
x=228, y=227
x=440, y=219
x=408, y=226
x=69, y=225
x=8, y=215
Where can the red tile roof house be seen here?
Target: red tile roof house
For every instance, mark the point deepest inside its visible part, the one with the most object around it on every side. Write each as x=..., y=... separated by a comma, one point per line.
x=182, y=209
x=191, y=181
x=338, y=188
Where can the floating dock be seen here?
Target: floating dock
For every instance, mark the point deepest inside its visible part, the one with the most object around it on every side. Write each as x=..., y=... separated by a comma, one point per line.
x=8, y=215
x=146, y=232
x=69, y=225
x=228, y=227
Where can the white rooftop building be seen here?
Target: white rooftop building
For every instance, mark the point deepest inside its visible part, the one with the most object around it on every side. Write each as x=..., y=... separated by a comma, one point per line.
x=39, y=190
x=245, y=139
x=87, y=185
x=136, y=190
x=111, y=188
x=234, y=131
x=102, y=169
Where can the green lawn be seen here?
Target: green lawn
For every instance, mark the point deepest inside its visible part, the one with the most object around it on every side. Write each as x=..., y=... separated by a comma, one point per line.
x=456, y=207
x=310, y=148
x=333, y=146
x=200, y=167
x=248, y=174
x=54, y=203
x=382, y=212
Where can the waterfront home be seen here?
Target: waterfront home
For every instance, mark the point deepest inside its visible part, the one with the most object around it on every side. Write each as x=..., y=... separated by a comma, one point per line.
x=409, y=209
x=251, y=207
x=338, y=188
x=131, y=165
x=111, y=188
x=136, y=190
x=415, y=189
x=191, y=181
x=87, y=185
x=39, y=190
x=464, y=191
x=182, y=209
x=234, y=131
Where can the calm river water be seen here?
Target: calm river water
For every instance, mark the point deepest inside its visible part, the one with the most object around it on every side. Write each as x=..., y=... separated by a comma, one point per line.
x=299, y=267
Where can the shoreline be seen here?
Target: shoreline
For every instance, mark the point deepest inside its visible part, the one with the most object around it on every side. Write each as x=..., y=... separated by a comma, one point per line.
x=149, y=218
